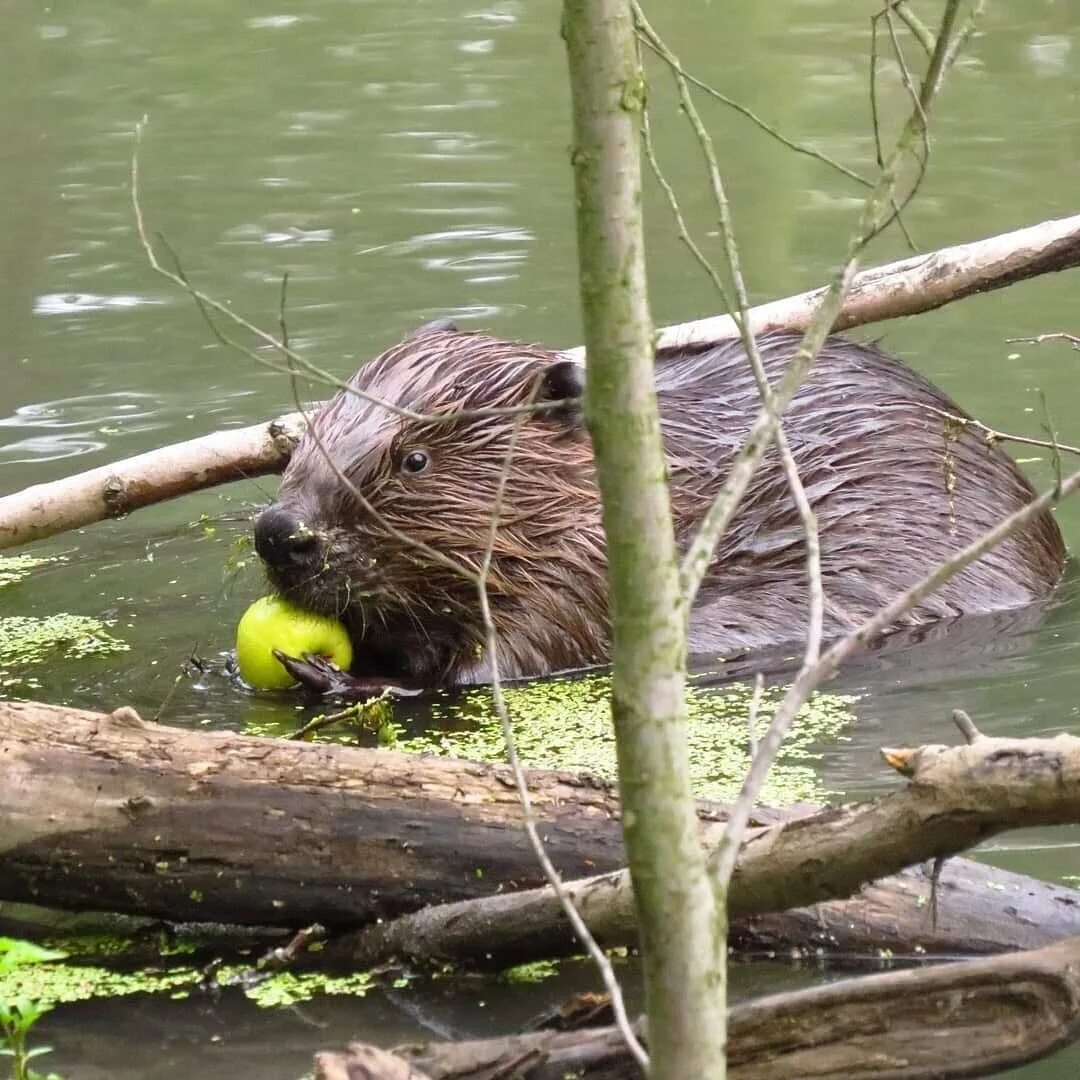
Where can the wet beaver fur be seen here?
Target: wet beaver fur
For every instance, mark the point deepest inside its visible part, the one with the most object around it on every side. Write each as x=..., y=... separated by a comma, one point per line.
x=896, y=490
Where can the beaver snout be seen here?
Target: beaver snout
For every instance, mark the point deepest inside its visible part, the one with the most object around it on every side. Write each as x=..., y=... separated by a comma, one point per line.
x=284, y=541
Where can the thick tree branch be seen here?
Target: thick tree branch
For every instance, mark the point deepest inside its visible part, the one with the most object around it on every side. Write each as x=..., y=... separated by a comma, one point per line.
x=111, y=491
x=910, y=286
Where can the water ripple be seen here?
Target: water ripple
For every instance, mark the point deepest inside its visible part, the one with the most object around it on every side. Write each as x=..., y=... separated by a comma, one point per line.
x=68, y=427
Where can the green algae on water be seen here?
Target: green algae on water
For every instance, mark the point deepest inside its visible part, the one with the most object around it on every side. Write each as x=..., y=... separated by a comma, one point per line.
x=566, y=724
x=536, y=972
x=290, y=988
x=14, y=568
x=26, y=641
x=58, y=984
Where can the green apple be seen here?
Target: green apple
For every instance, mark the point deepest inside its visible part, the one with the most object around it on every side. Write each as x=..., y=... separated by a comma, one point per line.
x=273, y=623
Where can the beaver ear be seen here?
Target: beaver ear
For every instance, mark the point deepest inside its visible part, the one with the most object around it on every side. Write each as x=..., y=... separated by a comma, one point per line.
x=563, y=380
x=436, y=326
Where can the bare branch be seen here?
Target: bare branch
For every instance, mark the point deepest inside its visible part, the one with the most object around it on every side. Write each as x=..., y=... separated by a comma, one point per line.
x=111, y=491
x=906, y=287
x=654, y=43
x=554, y=879
x=830, y=662
x=294, y=360
x=994, y=436
x=740, y=311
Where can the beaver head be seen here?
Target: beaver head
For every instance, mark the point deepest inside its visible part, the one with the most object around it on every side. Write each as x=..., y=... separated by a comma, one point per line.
x=379, y=507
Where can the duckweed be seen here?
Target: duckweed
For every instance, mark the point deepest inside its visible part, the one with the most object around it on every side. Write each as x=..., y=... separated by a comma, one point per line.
x=26, y=642
x=289, y=988
x=566, y=724
x=57, y=984
x=531, y=973
x=14, y=568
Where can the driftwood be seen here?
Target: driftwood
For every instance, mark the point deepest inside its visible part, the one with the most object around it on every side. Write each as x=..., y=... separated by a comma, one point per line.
x=962, y=1019
x=920, y=283
x=211, y=826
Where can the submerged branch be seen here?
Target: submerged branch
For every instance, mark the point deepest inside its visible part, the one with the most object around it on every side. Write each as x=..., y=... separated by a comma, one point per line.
x=995, y=1013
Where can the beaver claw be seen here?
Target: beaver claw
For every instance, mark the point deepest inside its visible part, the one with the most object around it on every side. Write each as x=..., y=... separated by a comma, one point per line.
x=323, y=678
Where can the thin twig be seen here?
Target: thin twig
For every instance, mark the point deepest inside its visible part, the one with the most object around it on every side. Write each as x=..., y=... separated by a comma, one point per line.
x=807, y=681
x=699, y=554
x=752, y=712
x=731, y=103
x=875, y=124
x=740, y=313
x=207, y=303
x=994, y=436
x=581, y=929
x=1058, y=335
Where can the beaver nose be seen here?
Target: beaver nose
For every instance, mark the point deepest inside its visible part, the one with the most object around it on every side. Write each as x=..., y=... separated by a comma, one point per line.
x=283, y=540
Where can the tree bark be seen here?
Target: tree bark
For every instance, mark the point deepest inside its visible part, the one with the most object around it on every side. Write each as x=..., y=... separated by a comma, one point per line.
x=957, y=797
x=682, y=927
x=211, y=826
x=972, y=1018
x=908, y=287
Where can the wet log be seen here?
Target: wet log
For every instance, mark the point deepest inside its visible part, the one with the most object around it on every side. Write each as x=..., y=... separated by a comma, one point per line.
x=364, y=1062
x=110, y=813
x=972, y=1018
x=956, y=797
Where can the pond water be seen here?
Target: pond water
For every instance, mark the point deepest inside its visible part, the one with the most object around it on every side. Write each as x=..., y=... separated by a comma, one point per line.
x=408, y=161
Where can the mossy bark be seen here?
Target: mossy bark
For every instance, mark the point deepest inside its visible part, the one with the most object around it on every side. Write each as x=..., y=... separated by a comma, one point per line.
x=682, y=926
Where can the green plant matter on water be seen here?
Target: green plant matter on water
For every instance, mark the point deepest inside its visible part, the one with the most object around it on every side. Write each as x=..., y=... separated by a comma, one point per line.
x=14, y=568
x=27, y=642
x=566, y=724
x=289, y=988
x=44, y=985
x=534, y=972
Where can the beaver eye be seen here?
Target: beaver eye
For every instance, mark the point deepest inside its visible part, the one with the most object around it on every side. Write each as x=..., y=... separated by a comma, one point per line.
x=415, y=462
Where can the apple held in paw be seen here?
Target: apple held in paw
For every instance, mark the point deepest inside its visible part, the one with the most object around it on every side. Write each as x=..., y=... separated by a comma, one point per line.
x=273, y=623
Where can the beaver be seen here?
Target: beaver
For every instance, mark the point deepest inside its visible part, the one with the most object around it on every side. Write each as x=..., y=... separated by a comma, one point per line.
x=896, y=489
